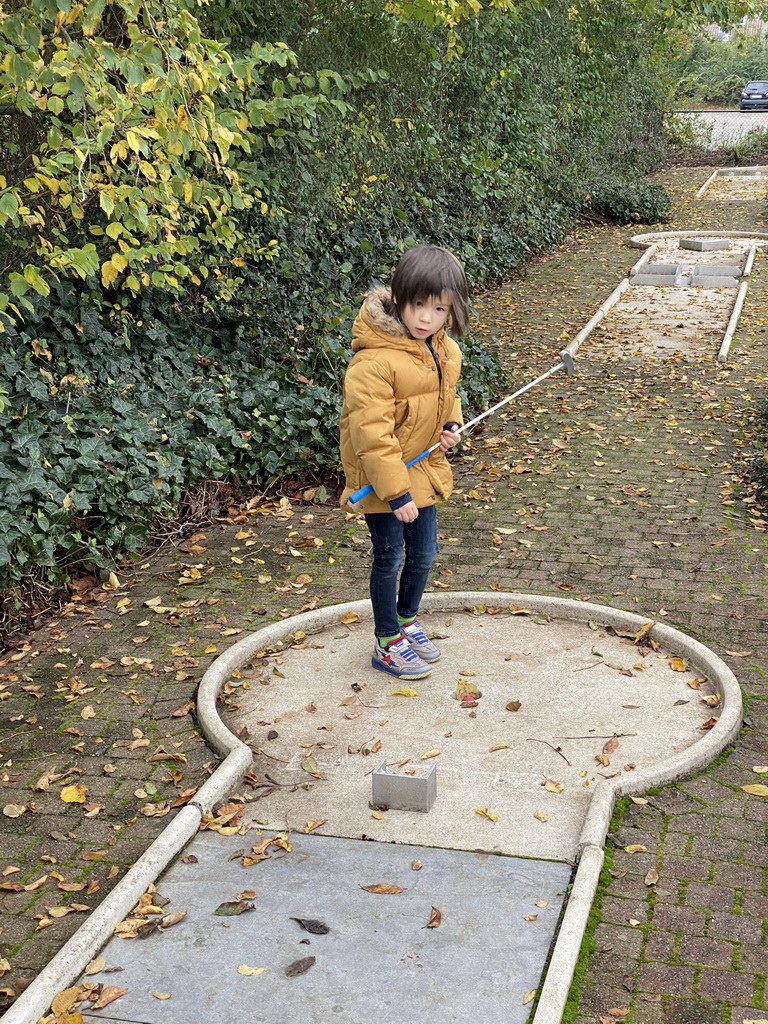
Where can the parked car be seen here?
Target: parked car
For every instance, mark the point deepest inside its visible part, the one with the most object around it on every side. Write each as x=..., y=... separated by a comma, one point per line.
x=754, y=96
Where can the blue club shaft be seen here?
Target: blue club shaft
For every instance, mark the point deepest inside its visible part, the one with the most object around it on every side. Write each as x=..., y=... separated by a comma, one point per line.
x=566, y=363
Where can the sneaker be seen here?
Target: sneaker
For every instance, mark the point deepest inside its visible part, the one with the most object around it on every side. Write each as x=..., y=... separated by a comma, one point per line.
x=420, y=642
x=399, y=659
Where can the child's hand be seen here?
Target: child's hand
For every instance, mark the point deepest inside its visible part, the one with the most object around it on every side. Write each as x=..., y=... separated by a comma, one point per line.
x=449, y=436
x=407, y=513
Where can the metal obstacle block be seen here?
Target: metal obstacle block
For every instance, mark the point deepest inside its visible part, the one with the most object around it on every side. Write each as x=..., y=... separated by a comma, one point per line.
x=404, y=792
x=704, y=244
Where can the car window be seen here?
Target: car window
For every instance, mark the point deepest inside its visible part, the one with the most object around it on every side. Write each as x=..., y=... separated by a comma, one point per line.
x=756, y=85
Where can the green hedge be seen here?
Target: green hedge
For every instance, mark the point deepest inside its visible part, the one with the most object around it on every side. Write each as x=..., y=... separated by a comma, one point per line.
x=492, y=144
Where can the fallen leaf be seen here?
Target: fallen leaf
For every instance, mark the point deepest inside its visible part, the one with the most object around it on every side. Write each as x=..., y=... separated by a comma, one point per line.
x=416, y=865
x=529, y=996
x=310, y=767
x=710, y=722
x=108, y=995
x=383, y=889
x=695, y=684
x=14, y=810
x=756, y=789
x=541, y=816
x=636, y=848
x=312, y=825
x=405, y=691
x=552, y=786
x=498, y=746
x=250, y=972
x=531, y=917
x=761, y=769
x=348, y=617
x=430, y=753
x=465, y=690
x=75, y=794
x=95, y=966
x=485, y=813
x=652, y=877
x=514, y=705
x=638, y=800
x=311, y=926
x=299, y=966
x=435, y=919
x=162, y=995
x=678, y=664
x=739, y=654
x=611, y=745
x=233, y=908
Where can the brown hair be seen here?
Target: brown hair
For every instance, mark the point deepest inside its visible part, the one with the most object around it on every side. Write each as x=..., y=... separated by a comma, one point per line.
x=427, y=271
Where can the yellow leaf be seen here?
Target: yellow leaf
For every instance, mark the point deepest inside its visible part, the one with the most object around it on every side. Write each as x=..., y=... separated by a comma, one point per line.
x=636, y=848
x=756, y=789
x=406, y=691
x=162, y=995
x=529, y=996
x=383, y=889
x=430, y=753
x=75, y=794
x=498, y=746
x=348, y=617
x=541, y=816
x=485, y=813
x=553, y=787
x=250, y=971
x=678, y=664
x=312, y=825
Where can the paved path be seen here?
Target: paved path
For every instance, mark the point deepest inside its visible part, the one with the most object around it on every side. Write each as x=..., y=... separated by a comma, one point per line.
x=622, y=485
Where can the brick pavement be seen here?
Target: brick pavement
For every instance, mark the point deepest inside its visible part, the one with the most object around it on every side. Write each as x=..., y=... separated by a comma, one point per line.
x=622, y=486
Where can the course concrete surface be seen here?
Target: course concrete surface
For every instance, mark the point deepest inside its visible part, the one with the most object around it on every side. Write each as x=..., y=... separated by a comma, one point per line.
x=578, y=703
x=375, y=958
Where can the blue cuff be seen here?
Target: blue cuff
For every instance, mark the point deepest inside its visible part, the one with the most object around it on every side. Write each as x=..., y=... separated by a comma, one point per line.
x=396, y=503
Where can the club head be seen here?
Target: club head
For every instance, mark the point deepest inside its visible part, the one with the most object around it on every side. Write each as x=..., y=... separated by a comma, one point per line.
x=567, y=360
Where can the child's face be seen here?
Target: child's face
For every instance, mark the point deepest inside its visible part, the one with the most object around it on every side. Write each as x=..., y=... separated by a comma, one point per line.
x=427, y=315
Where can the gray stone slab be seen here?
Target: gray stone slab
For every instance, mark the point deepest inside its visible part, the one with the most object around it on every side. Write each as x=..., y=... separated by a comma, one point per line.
x=704, y=244
x=654, y=280
x=378, y=962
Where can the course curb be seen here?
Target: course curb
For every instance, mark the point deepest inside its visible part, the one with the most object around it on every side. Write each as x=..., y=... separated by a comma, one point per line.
x=69, y=962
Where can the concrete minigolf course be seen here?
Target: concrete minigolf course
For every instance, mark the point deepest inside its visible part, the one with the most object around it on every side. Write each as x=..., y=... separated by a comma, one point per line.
x=542, y=777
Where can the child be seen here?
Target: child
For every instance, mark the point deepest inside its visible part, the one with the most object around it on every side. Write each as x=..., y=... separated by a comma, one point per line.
x=399, y=399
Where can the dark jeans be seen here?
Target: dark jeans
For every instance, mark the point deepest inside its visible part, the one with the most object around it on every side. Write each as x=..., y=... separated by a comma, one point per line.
x=389, y=537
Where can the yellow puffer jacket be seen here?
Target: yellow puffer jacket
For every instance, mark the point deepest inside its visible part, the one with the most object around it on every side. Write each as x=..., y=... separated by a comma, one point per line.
x=397, y=397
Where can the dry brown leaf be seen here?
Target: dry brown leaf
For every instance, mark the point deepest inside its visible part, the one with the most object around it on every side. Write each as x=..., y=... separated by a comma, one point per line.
x=383, y=889
x=498, y=746
x=430, y=753
x=513, y=705
x=312, y=825
x=611, y=746
x=108, y=995
x=435, y=919
x=95, y=966
x=348, y=617
x=710, y=722
x=541, y=816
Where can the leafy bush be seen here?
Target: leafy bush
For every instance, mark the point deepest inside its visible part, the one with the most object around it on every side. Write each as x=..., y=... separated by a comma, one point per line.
x=368, y=129
x=715, y=70
x=627, y=202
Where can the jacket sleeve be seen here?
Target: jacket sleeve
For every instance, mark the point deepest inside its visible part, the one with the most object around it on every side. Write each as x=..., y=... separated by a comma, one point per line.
x=370, y=401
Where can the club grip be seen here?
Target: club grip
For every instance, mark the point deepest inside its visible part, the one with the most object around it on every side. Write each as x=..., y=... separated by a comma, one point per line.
x=368, y=489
